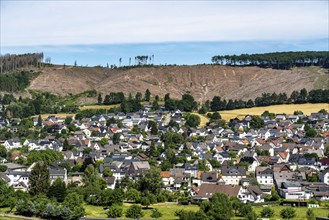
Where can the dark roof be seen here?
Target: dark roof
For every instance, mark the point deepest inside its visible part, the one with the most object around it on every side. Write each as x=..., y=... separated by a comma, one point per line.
x=249, y=160
x=209, y=176
x=234, y=171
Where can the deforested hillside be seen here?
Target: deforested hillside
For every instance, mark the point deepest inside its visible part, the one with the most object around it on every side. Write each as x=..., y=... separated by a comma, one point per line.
x=202, y=81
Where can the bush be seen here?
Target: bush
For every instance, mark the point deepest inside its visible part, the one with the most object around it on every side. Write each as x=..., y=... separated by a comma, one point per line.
x=25, y=208
x=134, y=211
x=183, y=201
x=145, y=201
x=156, y=213
x=115, y=211
x=288, y=213
x=267, y=212
x=310, y=214
x=161, y=198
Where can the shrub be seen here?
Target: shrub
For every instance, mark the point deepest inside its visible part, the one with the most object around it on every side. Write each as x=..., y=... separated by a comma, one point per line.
x=288, y=213
x=267, y=212
x=115, y=211
x=134, y=211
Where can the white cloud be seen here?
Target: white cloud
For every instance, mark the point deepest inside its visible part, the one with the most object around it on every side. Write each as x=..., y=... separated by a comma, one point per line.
x=111, y=22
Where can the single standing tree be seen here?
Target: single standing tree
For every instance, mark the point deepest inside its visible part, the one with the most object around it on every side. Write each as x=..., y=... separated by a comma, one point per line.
x=138, y=96
x=151, y=182
x=90, y=177
x=267, y=212
x=133, y=195
x=193, y=121
x=39, y=179
x=116, y=138
x=310, y=215
x=39, y=121
x=147, y=96
x=57, y=190
x=115, y=211
x=135, y=212
x=288, y=213
x=3, y=151
x=99, y=99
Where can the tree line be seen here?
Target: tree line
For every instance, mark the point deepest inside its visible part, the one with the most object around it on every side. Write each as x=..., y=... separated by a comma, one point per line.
x=10, y=62
x=47, y=103
x=277, y=60
x=266, y=99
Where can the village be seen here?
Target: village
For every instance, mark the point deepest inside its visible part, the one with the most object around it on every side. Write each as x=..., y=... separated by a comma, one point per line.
x=281, y=156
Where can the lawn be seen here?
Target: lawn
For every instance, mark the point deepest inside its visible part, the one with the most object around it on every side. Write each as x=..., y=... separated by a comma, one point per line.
x=300, y=212
x=167, y=210
x=288, y=109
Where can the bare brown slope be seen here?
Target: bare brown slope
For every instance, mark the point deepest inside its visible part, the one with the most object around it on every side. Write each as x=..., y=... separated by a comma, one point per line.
x=203, y=81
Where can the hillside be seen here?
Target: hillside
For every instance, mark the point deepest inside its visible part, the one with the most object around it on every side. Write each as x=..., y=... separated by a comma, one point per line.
x=203, y=81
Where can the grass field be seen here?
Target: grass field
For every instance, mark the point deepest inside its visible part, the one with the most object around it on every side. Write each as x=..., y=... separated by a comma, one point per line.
x=167, y=210
x=107, y=107
x=300, y=212
x=288, y=109
x=60, y=115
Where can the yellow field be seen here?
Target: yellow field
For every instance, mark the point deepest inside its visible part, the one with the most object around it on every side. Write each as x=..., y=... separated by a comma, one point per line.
x=107, y=107
x=111, y=106
x=288, y=109
x=60, y=115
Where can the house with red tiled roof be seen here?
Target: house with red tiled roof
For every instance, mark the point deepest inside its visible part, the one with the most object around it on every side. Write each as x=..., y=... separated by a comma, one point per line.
x=283, y=157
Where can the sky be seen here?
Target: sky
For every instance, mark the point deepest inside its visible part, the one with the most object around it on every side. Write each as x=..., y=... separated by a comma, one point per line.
x=175, y=32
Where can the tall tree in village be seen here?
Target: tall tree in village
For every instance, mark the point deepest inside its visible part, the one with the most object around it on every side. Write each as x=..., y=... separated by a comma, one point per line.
x=57, y=190
x=99, y=99
x=147, y=96
x=90, y=176
x=39, y=179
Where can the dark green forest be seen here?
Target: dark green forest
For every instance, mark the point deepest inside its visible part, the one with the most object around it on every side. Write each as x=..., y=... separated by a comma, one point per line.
x=17, y=81
x=277, y=60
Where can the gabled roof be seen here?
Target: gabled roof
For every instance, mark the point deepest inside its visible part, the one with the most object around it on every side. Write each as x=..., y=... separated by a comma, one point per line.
x=165, y=174
x=264, y=171
x=209, y=176
x=254, y=191
x=208, y=190
x=233, y=171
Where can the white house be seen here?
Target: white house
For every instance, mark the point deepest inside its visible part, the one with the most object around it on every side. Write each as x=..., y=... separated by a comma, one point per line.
x=233, y=175
x=293, y=190
x=12, y=144
x=264, y=175
x=251, y=194
x=324, y=176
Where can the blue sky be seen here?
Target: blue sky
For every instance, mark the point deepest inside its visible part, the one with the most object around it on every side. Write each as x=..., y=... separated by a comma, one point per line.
x=175, y=32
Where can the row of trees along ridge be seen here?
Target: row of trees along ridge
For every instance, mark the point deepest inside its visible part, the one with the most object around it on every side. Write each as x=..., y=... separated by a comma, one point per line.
x=10, y=62
x=278, y=60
